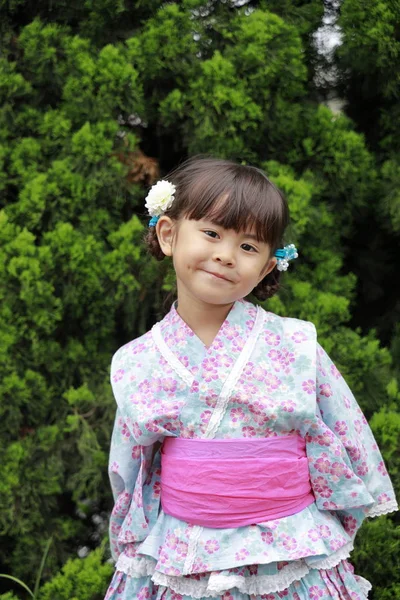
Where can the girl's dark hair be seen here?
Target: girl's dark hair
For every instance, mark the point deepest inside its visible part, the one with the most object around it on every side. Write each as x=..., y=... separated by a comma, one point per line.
x=248, y=199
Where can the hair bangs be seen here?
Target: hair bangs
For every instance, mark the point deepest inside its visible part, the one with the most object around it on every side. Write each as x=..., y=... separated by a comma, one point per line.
x=236, y=197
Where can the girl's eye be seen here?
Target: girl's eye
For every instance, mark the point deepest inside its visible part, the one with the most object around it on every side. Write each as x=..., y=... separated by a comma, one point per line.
x=248, y=248
x=210, y=233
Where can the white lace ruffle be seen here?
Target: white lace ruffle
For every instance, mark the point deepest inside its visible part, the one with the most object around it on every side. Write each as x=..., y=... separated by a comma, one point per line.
x=334, y=559
x=383, y=509
x=227, y=389
x=364, y=584
x=170, y=357
x=137, y=566
x=218, y=583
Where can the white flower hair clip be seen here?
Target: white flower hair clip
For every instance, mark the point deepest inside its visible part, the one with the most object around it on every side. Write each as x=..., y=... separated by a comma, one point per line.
x=284, y=255
x=159, y=199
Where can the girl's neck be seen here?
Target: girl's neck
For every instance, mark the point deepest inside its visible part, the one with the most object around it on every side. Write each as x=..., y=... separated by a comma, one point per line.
x=204, y=319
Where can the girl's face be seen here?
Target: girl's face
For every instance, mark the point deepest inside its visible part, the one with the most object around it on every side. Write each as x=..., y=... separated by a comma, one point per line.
x=213, y=264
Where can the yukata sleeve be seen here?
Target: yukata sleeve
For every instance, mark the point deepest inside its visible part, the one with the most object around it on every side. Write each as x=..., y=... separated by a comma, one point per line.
x=347, y=472
x=134, y=472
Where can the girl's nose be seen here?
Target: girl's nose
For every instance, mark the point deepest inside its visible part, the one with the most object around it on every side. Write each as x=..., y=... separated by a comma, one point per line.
x=225, y=257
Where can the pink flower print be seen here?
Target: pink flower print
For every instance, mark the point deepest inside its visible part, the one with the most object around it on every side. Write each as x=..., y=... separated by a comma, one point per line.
x=287, y=358
x=137, y=432
x=341, y=427
x=157, y=489
x=325, y=439
x=337, y=469
x=259, y=373
x=272, y=339
x=143, y=594
x=237, y=415
x=136, y=452
x=211, y=546
x=209, y=364
x=171, y=540
x=121, y=505
x=169, y=385
x=320, y=486
x=274, y=355
x=346, y=401
x=335, y=372
x=357, y=426
x=313, y=535
x=382, y=498
x=118, y=375
x=362, y=469
x=324, y=531
x=350, y=524
x=114, y=467
x=289, y=543
x=211, y=400
x=336, y=543
x=195, y=386
x=309, y=386
x=188, y=431
x=288, y=405
x=248, y=432
x=125, y=431
x=224, y=360
x=322, y=465
x=138, y=398
x=283, y=594
x=315, y=592
x=199, y=566
x=253, y=569
x=242, y=554
x=137, y=497
x=354, y=453
x=209, y=376
x=267, y=537
x=271, y=381
x=381, y=468
x=163, y=557
x=325, y=390
x=329, y=505
x=227, y=596
x=182, y=549
x=205, y=416
x=121, y=587
x=152, y=427
x=299, y=337
x=230, y=332
x=238, y=343
x=172, y=571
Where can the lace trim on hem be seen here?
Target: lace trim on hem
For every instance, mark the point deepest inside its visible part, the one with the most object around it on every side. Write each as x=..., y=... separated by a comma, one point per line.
x=218, y=584
x=334, y=559
x=364, y=584
x=383, y=509
x=135, y=566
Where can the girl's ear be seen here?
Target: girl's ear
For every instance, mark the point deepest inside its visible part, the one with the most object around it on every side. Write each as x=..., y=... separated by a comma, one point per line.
x=271, y=264
x=165, y=233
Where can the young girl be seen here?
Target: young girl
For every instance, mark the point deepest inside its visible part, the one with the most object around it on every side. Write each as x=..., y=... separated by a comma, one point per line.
x=241, y=464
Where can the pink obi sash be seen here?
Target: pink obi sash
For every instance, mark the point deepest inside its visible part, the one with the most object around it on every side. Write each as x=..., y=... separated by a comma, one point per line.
x=229, y=483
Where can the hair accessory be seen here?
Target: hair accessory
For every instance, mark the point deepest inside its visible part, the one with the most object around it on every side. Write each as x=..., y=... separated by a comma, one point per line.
x=284, y=255
x=159, y=199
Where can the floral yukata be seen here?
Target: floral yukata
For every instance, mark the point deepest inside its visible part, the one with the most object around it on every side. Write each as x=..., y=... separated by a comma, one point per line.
x=262, y=376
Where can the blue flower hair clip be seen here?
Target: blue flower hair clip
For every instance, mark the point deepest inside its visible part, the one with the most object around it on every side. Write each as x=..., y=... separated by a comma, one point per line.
x=284, y=255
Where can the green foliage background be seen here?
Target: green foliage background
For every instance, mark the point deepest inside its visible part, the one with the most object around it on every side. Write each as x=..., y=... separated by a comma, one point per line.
x=85, y=85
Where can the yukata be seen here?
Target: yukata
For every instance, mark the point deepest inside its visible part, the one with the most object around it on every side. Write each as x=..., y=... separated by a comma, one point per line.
x=264, y=376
